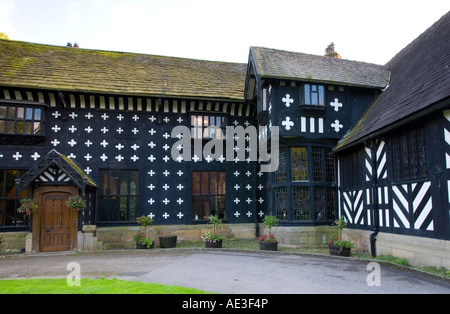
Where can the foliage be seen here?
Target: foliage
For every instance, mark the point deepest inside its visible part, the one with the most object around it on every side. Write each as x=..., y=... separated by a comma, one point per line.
x=215, y=221
x=270, y=221
x=144, y=239
x=267, y=238
x=211, y=237
x=77, y=203
x=90, y=286
x=341, y=243
x=27, y=206
x=144, y=221
x=340, y=224
x=3, y=36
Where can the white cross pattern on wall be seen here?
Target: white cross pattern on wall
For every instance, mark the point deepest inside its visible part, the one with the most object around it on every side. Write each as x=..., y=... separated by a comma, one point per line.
x=287, y=100
x=336, y=104
x=288, y=124
x=337, y=126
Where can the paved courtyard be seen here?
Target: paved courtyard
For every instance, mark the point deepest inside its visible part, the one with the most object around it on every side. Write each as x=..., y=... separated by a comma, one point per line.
x=232, y=272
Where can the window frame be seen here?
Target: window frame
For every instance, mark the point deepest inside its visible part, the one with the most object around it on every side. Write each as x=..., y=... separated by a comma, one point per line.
x=288, y=207
x=409, y=155
x=114, y=200
x=206, y=193
x=16, y=114
x=308, y=94
x=4, y=198
x=205, y=127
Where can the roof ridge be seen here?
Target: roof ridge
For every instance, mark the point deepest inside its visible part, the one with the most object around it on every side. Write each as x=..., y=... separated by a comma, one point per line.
x=319, y=56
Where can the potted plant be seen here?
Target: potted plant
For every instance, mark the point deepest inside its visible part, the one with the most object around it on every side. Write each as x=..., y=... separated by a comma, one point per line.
x=211, y=239
x=27, y=206
x=143, y=241
x=338, y=246
x=167, y=241
x=269, y=242
x=142, y=238
x=144, y=221
x=77, y=203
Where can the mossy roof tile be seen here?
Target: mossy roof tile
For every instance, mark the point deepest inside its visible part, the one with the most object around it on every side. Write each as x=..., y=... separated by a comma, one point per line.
x=32, y=65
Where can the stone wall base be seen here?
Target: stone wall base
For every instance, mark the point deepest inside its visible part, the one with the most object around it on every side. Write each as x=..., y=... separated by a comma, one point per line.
x=418, y=251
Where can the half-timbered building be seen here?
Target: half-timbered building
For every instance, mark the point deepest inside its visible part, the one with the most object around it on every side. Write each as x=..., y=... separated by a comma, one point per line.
x=181, y=139
x=394, y=179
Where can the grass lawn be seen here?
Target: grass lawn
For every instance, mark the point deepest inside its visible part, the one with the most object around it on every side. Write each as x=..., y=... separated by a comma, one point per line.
x=89, y=286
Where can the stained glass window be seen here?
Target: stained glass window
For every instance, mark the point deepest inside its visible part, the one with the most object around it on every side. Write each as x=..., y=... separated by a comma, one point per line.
x=299, y=163
x=281, y=173
x=281, y=203
x=301, y=203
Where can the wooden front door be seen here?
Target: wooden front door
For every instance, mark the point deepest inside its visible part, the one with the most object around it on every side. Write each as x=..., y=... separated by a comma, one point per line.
x=57, y=222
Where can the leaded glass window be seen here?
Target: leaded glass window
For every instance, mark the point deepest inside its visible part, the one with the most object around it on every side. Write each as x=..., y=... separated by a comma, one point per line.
x=281, y=173
x=299, y=163
x=301, y=203
x=281, y=203
x=10, y=198
x=118, y=198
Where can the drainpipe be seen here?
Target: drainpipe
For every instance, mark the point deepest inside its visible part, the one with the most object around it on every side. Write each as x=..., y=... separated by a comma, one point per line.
x=374, y=187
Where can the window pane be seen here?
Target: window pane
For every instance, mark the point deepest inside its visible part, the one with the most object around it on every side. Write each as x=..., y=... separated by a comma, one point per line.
x=332, y=203
x=213, y=183
x=29, y=114
x=3, y=112
x=317, y=163
x=119, y=201
x=20, y=112
x=321, y=95
x=195, y=183
x=307, y=95
x=331, y=166
x=37, y=127
x=281, y=201
x=300, y=203
x=281, y=174
x=37, y=114
x=319, y=203
x=299, y=163
x=222, y=185
x=205, y=183
x=208, y=194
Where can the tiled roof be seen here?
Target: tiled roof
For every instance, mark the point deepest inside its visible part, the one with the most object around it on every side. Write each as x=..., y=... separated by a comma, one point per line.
x=272, y=63
x=420, y=79
x=31, y=65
